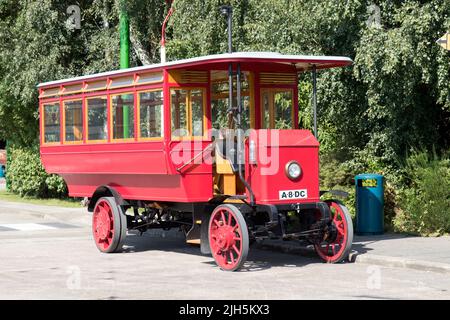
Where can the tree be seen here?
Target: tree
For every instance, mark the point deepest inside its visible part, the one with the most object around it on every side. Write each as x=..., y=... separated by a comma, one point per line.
x=395, y=96
x=37, y=46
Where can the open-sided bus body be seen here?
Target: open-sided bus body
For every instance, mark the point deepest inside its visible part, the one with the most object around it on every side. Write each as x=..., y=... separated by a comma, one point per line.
x=154, y=138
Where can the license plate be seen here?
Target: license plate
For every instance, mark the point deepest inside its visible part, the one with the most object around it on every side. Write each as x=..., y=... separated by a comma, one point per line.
x=293, y=194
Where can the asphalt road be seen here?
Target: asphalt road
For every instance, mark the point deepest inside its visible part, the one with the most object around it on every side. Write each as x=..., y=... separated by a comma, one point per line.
x=48, y=253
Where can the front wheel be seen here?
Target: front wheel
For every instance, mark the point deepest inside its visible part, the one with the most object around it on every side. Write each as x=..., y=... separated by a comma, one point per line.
x=336, y=247
x=228, y=237
x=109, y=225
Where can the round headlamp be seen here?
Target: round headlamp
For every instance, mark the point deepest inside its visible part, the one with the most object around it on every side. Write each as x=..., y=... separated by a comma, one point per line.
x=293, y=170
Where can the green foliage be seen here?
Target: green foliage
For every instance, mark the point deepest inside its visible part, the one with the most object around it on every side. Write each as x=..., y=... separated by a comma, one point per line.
x=425, y=202
x=27, y=177
x=405, y=76
x=283, y=107
x=56, y=186
x=305, y=111
x=335, y=175
x=37, y=46
x=395, y=96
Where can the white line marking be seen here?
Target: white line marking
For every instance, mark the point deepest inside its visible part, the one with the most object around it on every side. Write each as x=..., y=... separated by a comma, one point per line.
x=27, y=226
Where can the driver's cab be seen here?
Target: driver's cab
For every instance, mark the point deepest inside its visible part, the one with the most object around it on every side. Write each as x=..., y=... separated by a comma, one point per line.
x=273, y=93
x=199, y=110
x=267, y=100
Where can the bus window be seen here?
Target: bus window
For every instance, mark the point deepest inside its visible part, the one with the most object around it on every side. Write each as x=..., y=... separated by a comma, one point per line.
x=151, y=114
x=96, y=119
x=197, y=112
x=179, y=113
x=51, y=123
x=187, y=112
x=73, y=121
x=219, y=100
x=122, y=107
x=277, y=109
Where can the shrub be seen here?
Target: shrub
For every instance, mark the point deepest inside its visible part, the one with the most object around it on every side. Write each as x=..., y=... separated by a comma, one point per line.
x=425, y=201
x=27, y=177
x=56, y=186
x=337, y=174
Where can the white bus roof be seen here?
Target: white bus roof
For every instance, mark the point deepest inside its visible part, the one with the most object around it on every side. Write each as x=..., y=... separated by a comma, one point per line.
x=301, y=62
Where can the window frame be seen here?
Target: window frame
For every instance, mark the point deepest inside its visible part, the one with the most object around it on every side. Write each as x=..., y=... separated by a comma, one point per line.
x=43, y=104
x=111, y=120
x=272, y=112
x=86, y=119
x=83, y=135
x=250, y=93
x=138, y=116
x=189, y=113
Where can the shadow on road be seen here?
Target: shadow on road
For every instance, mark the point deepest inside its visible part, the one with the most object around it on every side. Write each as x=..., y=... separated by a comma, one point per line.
x=257, y=260
x=259, y=257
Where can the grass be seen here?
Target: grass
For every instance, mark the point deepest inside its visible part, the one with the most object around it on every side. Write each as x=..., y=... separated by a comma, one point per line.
x=68, y=203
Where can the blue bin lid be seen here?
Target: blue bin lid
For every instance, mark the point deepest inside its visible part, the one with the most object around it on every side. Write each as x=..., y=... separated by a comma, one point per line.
x=368, y=176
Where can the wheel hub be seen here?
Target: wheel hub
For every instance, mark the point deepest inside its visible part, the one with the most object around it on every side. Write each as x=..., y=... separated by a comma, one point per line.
x=103, y=226
x=330, y=234
x=225, y=237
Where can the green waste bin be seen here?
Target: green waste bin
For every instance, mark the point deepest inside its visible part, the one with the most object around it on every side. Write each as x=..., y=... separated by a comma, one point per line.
x=369, y=204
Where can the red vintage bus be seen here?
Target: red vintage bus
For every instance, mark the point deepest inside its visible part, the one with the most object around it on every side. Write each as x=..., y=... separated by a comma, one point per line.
x=210, y=145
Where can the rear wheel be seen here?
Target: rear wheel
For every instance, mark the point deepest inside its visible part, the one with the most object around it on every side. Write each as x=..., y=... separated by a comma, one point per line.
x=109, y=225
x=228, y=237
x=339, y=240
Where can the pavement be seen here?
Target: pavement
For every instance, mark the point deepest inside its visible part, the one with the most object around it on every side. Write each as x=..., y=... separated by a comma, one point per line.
x=48, y=253
x=388, y=250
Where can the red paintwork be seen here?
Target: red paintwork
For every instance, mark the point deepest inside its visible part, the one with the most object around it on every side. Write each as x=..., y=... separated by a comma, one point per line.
x=144, y=170
x=139, y=171
x=298, y=145
x=163, y=30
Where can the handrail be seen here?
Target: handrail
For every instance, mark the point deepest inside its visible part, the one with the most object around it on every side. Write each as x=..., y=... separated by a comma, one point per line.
x=195, y=157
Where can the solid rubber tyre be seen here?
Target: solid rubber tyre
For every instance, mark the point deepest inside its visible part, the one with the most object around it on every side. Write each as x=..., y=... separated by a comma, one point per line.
x=109, y=225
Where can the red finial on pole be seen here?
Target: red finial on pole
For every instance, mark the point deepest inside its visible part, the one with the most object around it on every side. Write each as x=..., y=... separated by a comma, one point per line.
x=163, y=31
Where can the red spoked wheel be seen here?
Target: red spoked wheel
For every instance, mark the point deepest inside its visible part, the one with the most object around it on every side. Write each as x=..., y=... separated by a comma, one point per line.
x=109, y=225
x=340, y=236
x=228, y=237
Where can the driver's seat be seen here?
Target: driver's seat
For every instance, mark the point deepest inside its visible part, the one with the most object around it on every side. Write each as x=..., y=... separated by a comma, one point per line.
x=226, y=165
